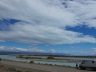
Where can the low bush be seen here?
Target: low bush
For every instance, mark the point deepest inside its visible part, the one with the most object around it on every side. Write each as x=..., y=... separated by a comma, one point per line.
x=50, y=57
x=31, y=61
x=12, y=69
x=64, y=65
x=0, y=59
x=55, y=65
x=28, y=71
x=18, y=71
x=1, y=66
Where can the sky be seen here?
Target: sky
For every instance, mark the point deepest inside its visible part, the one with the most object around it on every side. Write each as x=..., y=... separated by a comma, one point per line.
x=48, y=26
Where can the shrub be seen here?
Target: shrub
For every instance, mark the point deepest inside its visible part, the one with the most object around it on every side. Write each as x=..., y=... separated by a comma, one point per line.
x=64, y=65
x=50, y=57
x=46, y=64
x=12, y=69
x=18, y=71
x=50, y=64
x=27, y=57
x=28, y=71
x=55, y=65
x=0, y=59
x=1, y=66
x=20, y=56
x=31, y=61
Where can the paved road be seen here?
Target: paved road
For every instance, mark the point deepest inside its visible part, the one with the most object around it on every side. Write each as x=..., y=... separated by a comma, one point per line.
x=43, y=67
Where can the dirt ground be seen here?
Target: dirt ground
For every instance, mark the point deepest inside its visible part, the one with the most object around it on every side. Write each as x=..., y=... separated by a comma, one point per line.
x=42, y=68
x=11, y=68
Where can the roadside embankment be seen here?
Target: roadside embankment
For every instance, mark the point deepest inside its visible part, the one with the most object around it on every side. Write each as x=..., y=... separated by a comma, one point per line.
x=42, y=67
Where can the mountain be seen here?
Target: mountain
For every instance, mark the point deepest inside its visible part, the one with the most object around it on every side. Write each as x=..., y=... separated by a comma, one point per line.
x=33, y=53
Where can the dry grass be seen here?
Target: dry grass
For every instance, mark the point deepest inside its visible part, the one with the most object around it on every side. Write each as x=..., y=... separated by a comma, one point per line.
x=9, y=68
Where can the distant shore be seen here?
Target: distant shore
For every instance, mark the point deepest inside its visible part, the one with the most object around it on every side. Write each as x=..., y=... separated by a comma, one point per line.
x=54, y=59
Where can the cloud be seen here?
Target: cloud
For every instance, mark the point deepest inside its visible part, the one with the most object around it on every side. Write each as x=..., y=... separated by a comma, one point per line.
x=17, y=49
x=35, y=50
x=85, y=10
x=28, y=33
x=36, y=11
x=52, y=51
x=93, y=48
x=50, y=12
x=45, y=21
x=91, y=51
x=2, y=47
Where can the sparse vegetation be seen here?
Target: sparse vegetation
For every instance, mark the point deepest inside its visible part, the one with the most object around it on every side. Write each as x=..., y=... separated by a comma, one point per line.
x=18, y=71
x=0, y=59
x=12, y=69
x=21, y=56
x=8, y=68
x=31, y=61
x=50, y=57
x=28, y=71
x=28, y=57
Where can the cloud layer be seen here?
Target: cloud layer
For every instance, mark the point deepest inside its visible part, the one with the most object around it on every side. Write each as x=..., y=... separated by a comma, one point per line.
x=91, y=51
x=17, y=49
x=45, y=21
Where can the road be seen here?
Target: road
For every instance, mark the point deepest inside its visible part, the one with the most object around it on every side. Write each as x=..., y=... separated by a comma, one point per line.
x=43, y=67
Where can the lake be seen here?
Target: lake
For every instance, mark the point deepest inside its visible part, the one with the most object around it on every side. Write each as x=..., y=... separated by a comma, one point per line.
x=9, y=57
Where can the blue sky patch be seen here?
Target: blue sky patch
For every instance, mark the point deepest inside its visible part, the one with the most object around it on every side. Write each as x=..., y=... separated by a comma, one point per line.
x=83, y=29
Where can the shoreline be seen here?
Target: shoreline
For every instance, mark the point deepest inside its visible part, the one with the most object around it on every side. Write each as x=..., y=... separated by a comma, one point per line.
x=38, y=63
x=46, y=68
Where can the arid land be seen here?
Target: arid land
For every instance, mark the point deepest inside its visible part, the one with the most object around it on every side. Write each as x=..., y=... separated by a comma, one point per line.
x=27, y=67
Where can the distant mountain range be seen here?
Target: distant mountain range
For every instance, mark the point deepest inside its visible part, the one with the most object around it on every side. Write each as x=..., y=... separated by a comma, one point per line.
x=33, y=53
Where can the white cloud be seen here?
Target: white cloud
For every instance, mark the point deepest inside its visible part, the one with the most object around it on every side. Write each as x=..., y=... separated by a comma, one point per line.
x=1, y=47
x=34, y=10
x=17, y=49
x=49, y=12
x=28, y=33
x=52, y=51
x=44, y=21
x=91, y=51
x=35, y=50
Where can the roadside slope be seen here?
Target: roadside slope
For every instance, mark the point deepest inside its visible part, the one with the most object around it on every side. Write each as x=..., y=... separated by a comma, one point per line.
x=43, y=67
